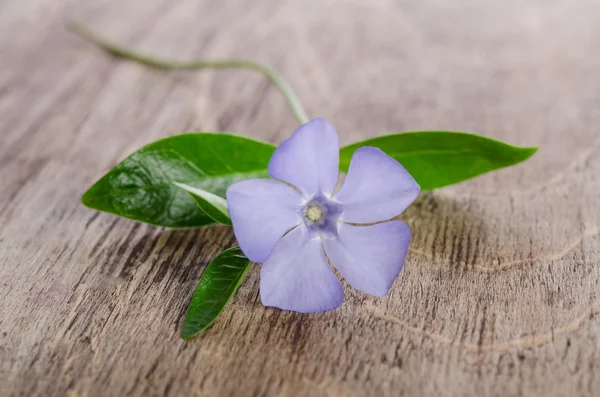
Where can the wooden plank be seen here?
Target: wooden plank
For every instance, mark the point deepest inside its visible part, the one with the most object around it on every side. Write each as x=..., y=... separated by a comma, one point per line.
x=499, y=295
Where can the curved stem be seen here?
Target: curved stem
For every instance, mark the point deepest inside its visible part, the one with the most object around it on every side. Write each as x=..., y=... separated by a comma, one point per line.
x=274, y=77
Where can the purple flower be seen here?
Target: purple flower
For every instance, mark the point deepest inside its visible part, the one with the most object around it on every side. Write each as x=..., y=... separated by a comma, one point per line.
x=293, y=225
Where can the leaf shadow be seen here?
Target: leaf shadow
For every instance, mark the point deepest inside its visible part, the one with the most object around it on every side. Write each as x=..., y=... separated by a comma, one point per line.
x=183, y=254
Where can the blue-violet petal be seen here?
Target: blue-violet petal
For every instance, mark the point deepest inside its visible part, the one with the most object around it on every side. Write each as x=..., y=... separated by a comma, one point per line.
x=297, y=276
x=377, y=187
x=261, y=212
x=370, y=258
x=309, y=159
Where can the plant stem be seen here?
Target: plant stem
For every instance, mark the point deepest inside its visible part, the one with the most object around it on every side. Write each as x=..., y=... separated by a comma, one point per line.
x=115, y=49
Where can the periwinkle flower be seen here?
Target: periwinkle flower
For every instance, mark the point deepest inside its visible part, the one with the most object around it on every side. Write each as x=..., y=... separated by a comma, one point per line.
x=294, y=224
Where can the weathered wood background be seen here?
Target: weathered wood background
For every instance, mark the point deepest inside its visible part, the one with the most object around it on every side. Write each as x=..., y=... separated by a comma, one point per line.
x=498, y=297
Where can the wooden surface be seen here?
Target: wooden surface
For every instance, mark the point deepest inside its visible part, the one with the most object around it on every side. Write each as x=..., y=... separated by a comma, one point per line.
x=499, y=295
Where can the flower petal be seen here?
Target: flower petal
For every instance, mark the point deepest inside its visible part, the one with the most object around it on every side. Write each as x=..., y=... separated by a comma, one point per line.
x=261, y=211
x=309, y=159
x=377, y=187
x=297, y=276
x=370, y=257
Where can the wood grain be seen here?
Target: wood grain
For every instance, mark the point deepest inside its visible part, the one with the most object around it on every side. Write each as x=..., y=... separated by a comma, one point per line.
x=499, y=295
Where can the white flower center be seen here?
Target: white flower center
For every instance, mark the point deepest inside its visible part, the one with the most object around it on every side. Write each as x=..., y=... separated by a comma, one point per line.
x=314, y=213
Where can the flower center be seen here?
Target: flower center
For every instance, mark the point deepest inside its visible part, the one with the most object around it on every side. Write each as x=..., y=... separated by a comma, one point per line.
x=321, y=216
x=313, y=212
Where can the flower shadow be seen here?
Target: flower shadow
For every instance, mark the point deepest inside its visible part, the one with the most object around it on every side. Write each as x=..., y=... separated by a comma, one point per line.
x=446, y=231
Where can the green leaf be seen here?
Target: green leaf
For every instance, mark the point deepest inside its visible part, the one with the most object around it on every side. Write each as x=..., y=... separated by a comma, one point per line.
x=212, y=205
x=217, y=285
x=142, y=188
x=441, y=158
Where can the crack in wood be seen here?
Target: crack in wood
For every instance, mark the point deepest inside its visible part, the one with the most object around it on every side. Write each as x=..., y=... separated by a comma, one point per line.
x=525, y=342
x=590, y=232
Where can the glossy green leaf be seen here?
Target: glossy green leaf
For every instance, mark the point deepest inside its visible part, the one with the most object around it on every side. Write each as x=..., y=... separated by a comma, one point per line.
x=217, y=285
x=440, y=158
x=211, y=204
x=141, y=186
